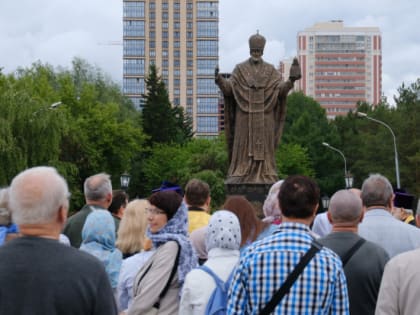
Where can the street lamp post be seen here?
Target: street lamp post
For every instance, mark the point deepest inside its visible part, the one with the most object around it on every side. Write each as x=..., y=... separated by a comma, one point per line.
x=125, y=181
x=348, y=179
x=397, y=169
x=325, y=202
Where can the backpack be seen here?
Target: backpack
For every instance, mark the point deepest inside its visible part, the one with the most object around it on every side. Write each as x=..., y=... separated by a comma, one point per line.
x=217, y=303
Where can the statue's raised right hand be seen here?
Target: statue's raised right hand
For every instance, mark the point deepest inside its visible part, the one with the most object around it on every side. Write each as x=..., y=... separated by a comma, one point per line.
x=216, y=72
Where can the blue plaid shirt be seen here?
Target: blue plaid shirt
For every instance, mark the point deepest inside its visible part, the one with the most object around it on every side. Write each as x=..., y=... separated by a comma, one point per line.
x=265, y=265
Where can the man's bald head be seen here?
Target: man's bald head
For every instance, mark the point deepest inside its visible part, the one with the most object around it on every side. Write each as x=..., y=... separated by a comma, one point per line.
x=345, y=207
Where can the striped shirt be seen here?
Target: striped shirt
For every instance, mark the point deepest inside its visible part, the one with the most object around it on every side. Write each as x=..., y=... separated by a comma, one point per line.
x=265, y=265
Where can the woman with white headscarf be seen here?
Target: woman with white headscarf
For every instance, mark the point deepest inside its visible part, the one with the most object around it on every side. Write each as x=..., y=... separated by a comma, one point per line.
x=223, y=241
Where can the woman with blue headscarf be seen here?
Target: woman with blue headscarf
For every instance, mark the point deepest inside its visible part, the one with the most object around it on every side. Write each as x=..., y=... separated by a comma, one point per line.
x=98, y=239
x=174, y=257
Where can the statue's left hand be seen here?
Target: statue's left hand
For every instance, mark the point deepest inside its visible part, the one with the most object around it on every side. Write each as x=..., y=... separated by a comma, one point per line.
x=295, y=72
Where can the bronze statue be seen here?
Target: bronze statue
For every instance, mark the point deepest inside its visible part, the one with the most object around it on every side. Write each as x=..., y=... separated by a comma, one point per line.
x=255, y=112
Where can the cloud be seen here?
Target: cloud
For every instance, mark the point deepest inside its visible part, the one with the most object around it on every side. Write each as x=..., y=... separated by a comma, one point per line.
x=56, y=31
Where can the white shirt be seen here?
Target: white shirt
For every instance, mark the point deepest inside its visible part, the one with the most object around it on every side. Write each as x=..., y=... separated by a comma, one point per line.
x=129, y=269
x=199, y=285
x=321, y=225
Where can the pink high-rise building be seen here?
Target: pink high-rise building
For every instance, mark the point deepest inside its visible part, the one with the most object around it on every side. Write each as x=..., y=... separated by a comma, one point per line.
x=340, y=65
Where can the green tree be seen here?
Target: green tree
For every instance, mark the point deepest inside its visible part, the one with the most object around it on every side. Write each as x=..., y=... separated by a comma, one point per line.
x=95, y=129
x=307, y=126
x=161, y=122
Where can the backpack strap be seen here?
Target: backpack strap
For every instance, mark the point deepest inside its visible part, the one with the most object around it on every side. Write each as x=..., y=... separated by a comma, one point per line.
x=351, y=251
x=291, y=278
x=218, y=281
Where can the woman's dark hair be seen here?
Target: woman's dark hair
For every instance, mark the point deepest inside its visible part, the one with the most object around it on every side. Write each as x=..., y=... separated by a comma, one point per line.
x=251, y=226
x=168, y=201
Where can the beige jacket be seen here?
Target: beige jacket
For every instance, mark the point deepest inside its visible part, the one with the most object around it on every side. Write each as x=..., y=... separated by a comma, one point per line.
x=146, y=291
x=400, y=286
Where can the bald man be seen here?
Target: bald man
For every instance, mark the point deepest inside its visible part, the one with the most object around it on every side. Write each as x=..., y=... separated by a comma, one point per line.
x=38, y=275
x=363, y=261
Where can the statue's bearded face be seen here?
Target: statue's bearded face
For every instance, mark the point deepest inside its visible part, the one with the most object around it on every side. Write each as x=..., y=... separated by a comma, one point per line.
x=256, y=53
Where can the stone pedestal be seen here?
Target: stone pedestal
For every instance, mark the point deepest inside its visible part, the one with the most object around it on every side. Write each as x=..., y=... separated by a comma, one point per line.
x=255, y=193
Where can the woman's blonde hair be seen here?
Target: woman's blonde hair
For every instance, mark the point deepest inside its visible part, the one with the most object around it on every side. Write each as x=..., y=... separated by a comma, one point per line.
x=132, y=230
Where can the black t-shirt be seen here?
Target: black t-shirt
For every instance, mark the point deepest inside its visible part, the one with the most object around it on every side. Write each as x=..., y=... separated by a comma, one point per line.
x=42, y=276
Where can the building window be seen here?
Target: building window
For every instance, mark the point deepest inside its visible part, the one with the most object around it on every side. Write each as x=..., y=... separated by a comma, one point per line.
x=207, y=124
x=133, y=9
x=207, y=48
x=165, y=44
x=207, y=105
x=165, y=6
x=207, y=29
x=133, y=28
x=207, y=9
x=206, y=66
x=152, y=5
x=134, y=47
x=206, y=86
x=134, y=66
x=133, y=86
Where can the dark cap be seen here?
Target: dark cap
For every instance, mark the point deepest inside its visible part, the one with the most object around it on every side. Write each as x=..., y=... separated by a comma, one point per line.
x=169, y=186
x=403, y=200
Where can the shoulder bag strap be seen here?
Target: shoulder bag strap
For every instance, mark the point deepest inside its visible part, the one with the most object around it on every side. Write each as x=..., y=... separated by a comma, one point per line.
x=173, y=272
x=291, y=278
x=351, y=251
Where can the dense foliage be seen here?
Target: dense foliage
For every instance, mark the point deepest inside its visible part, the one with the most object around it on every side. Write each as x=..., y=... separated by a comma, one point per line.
x=96, y=129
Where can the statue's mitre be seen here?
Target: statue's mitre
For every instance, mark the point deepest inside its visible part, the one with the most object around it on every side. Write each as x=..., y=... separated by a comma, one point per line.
x=256, y=41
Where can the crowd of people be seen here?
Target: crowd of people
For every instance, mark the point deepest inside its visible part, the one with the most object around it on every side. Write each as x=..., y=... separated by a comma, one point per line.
x=170, y=253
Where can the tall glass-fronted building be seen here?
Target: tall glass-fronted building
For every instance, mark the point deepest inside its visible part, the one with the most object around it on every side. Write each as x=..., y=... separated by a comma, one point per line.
x=181, y=37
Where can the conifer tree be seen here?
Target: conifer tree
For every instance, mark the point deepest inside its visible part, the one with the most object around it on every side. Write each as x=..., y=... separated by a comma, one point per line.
x=161, y=122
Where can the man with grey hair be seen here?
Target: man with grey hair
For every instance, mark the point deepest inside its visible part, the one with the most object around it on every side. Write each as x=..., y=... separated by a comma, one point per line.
x=379, y=226
x=98, y=196
x=38, y=275
x=363, y=275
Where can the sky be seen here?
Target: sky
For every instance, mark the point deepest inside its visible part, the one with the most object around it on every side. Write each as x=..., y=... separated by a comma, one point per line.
x=56, y=31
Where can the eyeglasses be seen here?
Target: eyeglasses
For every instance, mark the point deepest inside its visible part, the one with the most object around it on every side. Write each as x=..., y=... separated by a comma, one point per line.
x=154, y=211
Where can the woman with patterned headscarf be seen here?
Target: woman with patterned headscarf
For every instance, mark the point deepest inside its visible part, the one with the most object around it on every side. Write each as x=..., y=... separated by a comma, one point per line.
x=223, y=240
x=98, y=239
x=173, y=258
